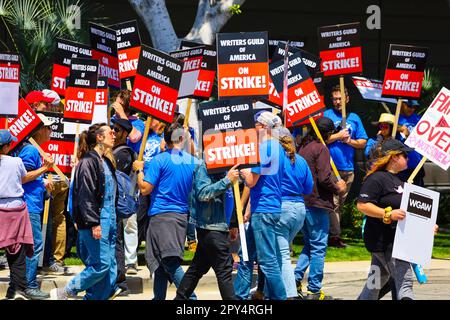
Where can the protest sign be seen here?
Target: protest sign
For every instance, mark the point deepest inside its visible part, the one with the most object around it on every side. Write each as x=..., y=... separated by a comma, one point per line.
x=431, y=135
x=100, y=110
x=414, y=235
x=192, y=63
x=404, y=71
x=229, y=134
x=274, y=44
x=129, y=47
x=156, y=84
x=104, y=49
x=370, y=89
x=64, y=52
x=81, y=90
x=24, y=125
x=303, y=99
x=242, y=65
x=340, y=49
x=205, y=80
x=59, y=146
x=9, y=84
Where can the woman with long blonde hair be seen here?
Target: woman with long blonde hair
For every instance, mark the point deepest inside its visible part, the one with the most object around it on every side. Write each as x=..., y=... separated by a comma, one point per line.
x=379, y=199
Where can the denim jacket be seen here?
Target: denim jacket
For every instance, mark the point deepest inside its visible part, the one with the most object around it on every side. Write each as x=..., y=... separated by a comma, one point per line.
x=208, y=200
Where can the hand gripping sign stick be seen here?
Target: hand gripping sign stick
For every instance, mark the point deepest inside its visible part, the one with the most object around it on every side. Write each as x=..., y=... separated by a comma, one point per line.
x=44, y=224
x=343, y=102
x=397, y=115
x=57, y=170
x=316, y=130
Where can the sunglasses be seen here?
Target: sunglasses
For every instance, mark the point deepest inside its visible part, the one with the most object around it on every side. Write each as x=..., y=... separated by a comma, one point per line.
x=116, y=129
x=383, y=126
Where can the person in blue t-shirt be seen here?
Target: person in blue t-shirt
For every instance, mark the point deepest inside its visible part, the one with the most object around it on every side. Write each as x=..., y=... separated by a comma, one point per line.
x=265, y=183
x=34, y=186
x=121, y=106
x=168, y=178
x=407, y=120
x=342, y=147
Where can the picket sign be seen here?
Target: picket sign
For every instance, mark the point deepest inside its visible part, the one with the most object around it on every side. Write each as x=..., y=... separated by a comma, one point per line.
x=188, y=112
x=397, y=115
x=44, y=223
x=316, y=130
x=57, y=170
x=343, y=102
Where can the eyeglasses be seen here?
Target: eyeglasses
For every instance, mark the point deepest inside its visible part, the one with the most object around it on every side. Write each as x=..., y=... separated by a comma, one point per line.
x=112, y=133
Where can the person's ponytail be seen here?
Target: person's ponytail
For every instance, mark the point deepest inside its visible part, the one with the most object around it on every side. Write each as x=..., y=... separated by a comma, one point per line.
x=88, y=139
x=288, y=145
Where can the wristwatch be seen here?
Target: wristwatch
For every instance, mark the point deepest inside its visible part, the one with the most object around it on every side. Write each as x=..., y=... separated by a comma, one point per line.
x=387, y=215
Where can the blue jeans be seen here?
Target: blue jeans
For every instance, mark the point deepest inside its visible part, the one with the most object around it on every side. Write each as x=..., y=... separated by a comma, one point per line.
x=32, y=263
x=243, y=280
x=291, y=222
x=264, y=226
x=169, y=270
x=315, y=237
x=98, y=278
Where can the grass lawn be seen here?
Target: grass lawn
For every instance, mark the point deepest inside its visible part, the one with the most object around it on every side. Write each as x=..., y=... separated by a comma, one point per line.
x=354, y=252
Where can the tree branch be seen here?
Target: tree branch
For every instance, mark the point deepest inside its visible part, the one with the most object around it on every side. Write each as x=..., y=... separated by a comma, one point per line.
x=156, y=18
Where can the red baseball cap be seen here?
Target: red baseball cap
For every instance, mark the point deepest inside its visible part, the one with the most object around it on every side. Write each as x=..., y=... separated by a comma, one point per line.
x=37, y=96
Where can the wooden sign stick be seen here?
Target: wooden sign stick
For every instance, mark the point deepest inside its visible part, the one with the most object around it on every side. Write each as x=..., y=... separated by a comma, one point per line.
x=343, y=102
x=57, y=170
x=316, y=130
x=397, y=115
x=44, y=224
x=188, y=112
x=416, y=170
x=237, y=200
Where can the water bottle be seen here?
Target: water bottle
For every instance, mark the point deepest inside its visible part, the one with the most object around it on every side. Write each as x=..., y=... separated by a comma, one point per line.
x=420, y=273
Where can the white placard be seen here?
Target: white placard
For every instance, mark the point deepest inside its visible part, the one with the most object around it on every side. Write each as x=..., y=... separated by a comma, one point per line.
x=414, y=235
x=431, y=135
x=100, y=115
x=9, y=97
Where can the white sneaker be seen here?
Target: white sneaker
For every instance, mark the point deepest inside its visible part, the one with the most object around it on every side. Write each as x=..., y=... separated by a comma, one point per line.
x=59, y=294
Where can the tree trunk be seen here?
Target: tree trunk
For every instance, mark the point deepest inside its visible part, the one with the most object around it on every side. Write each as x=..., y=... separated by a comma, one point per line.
x=210, y=19
x=157, y=21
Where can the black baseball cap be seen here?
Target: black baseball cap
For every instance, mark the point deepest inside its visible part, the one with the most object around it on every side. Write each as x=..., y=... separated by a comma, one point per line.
x=394, y=145
x=123, y=123
x=325, y=125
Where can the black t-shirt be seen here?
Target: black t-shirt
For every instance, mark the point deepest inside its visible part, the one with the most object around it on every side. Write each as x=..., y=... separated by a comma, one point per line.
x=383, y=189
x=124, y=158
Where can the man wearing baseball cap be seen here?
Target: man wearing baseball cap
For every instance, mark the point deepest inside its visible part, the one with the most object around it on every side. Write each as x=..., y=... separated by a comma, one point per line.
x=407, y=120
x=45, y=100
x=34, y=189
x=265, y=182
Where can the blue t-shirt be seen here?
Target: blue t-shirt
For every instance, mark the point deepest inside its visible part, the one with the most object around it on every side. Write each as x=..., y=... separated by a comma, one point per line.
x=342, y=153
x=297, y=179
x=140, y=126
x=265, y=196
x=34, y=190
x=410, y=122
x=171, y=174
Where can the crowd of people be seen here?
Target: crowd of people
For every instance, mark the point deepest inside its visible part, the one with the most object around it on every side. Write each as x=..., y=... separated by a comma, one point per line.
x=167, y=199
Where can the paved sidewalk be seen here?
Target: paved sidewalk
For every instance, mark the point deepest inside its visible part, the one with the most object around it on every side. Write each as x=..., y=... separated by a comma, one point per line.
x=341, y=279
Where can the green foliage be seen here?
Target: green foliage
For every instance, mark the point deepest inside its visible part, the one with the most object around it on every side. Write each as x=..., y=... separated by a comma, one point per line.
x=431, y=85
x=443, y=217
x=33, y=26
x=235, y=9
x=351, y=221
